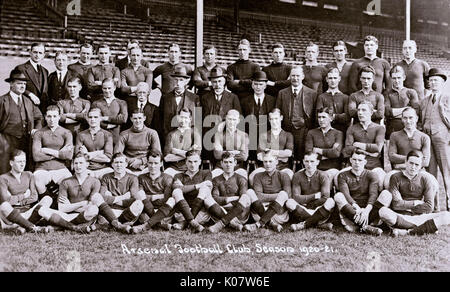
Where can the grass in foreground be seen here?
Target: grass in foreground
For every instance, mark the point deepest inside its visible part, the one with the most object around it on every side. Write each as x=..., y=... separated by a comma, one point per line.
x=102, y=251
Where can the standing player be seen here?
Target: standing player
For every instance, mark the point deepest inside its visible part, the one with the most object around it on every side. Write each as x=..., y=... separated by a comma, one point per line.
x=335, y=100
x=314, y=73
x=416, y=70
x=381, y=67
x=239, y=73
x=201, y=75
x=367, y=75
x=278, y=72
x=343, y=66
x=396, y=99
x=82, y=67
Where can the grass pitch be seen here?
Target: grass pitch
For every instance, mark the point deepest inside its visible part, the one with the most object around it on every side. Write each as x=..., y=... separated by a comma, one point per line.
x=261, y=251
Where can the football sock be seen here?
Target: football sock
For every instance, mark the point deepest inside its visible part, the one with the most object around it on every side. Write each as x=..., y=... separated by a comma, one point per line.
x=348, y=211
x=80, y=219
x=35, y=217
x=300, y=214
x=273, y=209
x=403, y=224
x=16, y=217
x=236, y=211
x=196, y=206
x=216, y=211
x=184, y=208
x=57, y=220
x=106, y=211
x=162, y=213
x=127, y=216
x=319, y=215
x=149, y=209
x=258, y=208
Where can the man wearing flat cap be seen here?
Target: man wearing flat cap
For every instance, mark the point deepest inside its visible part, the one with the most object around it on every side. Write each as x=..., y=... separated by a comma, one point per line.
x=20, y=118
x=435, y=117
x=177, y=99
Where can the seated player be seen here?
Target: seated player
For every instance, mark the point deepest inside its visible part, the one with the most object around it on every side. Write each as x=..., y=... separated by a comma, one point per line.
x=412, y=192
x=311, y=203
x=120, y=190
x=326, y=142
x=277, y=140
x=179, y=141
x=233, y=140
x=80, y=201
x=52, y=149
x=191, y=190
x=409, y=138
x=366, y=136
x=335, y=100
x=396, y=99
x=230, y=190
x=136, y=142
x=114, y=111
x=97, y=144
x=19, y=206
x=357, y=199
x=73, y=109
x=157, y=189
x=273, y=188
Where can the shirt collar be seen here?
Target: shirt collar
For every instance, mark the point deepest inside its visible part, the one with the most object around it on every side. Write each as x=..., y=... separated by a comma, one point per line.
x=34, y=64
x=325, y=132
x=109, y=100
x=258, y=97
x=15, y=97
x=333, y=92
x=413, y=133
x=375, y=57
x=368, y=126
x=299, y=88
x=409, y=63
x=397, y=90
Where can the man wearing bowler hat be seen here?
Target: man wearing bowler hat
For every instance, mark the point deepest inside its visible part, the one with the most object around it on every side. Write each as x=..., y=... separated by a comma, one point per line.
x=435, y=117
x=256, y=108
x=177, y=99
x=20, y=118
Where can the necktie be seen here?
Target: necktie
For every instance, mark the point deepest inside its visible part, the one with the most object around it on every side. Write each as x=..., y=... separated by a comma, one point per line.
x=295, y=93
x=60, y=77
x=433, y=98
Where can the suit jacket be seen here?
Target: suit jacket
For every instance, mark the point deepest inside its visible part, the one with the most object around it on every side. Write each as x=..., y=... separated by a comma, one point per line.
x=444, y=108
x=149, y=111
x=210, y=106
x=249, y=110
x=56, y=90
x=123, y=63
x=170, y=109
x=309, y=97
x=34, y=118
x=35, y=84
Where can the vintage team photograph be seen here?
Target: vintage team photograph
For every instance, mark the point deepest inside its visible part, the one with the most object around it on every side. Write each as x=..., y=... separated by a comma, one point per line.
x=224, y=136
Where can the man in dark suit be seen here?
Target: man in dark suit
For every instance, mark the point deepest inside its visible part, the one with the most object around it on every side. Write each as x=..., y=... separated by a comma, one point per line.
x=36, y=74
x=255, y=109
x=216, y=103
x=20, y=119
x=177, y=99
x=142, y=103
x=125, y=62
x=57, y=81
x=219, y=101
x=297, y=105
x=435, y=117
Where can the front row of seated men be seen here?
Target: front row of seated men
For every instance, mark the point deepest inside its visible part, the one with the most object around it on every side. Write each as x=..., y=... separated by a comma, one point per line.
x=403, y=200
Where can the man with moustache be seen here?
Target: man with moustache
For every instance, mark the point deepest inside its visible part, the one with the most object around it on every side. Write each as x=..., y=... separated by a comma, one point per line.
x=20, y=120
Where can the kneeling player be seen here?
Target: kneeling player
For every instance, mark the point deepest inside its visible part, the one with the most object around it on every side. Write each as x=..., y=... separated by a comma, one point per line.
x=79, y=199
x=412, y=192
x=273, y=188
x=231, y=192
x=357, y=198
x=121, y=191
x=18, y=198
x=311, y=203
